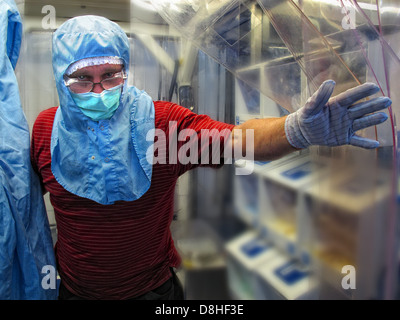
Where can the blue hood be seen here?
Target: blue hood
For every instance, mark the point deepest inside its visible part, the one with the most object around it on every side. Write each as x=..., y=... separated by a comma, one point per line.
x=84, y=37
x=110, y=161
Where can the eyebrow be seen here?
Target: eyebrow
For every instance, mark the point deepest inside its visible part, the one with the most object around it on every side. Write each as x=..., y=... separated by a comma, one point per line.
x=108, y=68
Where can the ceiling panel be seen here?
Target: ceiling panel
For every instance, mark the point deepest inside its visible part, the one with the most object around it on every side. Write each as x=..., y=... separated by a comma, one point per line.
x=116, y=10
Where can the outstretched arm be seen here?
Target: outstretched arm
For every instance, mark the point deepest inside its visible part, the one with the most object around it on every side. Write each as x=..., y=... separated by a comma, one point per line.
x=270, y=140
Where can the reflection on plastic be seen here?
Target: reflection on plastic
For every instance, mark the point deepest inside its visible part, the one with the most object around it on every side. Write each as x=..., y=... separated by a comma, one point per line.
x=345, y=213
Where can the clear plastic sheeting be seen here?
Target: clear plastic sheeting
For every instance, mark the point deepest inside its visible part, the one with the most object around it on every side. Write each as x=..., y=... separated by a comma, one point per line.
x=232, y=32
x=344, y=205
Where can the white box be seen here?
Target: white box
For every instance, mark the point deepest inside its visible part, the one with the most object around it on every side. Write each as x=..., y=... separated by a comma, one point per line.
x=349, y=219
x=281, y=193
x=247, y=185
x=244, y=254
x=283, y=278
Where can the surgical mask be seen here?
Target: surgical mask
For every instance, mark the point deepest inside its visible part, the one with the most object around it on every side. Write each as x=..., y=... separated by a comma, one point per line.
x=98, y=106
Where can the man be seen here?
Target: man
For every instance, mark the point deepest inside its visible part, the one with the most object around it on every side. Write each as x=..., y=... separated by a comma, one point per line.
x=113, y=206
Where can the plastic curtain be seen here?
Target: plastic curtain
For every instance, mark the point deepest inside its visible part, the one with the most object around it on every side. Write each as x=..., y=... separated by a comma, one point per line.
x=285, y=49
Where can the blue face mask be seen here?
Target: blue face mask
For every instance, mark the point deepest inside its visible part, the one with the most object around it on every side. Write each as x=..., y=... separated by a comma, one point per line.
x=98, y=106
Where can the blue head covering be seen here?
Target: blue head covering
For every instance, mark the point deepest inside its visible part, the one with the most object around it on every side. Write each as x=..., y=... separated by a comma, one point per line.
x=105, y=160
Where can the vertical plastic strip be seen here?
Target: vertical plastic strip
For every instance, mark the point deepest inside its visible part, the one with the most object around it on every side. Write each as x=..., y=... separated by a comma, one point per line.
x=391, y=235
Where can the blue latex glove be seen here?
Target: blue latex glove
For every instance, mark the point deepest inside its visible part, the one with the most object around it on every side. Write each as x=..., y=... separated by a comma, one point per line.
x=327, y=121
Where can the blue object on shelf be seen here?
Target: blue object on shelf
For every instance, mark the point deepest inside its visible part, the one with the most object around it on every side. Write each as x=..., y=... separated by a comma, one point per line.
x=290, y=272
x=254, y=247
x=298, y=172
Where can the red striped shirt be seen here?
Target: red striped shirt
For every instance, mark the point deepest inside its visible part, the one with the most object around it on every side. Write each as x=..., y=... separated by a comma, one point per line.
x=122, y=250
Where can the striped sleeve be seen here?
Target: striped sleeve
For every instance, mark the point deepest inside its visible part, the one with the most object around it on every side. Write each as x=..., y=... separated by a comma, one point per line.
x=40, y=142
x=194, y=139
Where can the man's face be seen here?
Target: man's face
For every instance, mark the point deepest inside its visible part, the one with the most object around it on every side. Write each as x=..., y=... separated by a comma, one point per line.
x=97, y=74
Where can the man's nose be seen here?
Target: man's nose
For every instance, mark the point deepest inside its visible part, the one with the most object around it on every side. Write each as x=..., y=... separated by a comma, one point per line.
x=97, y=88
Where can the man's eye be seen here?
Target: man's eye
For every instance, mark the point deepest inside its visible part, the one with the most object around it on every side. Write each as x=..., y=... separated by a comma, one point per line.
x=81, y=78
x=109, y=74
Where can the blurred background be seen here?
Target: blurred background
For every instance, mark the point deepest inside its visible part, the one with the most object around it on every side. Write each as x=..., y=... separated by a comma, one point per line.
x=318, y=224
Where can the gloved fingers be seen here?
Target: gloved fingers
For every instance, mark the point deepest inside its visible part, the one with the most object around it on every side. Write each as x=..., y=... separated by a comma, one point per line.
x=350, y=96
x=319, y=99
x=369, y=120
x=362, y=108
x=363, y=142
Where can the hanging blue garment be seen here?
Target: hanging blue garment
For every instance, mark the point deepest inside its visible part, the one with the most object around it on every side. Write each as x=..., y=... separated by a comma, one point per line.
x=27, y=261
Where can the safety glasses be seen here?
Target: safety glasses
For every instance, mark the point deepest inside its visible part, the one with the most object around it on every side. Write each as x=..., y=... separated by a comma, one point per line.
x=84, y=86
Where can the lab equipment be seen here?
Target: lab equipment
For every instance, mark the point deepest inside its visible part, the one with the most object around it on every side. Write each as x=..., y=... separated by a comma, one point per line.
x=245, y=253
